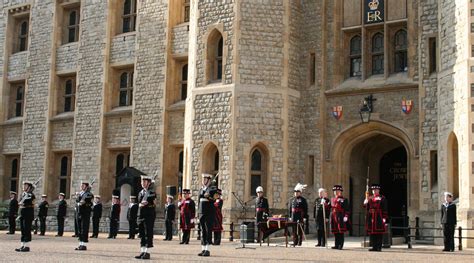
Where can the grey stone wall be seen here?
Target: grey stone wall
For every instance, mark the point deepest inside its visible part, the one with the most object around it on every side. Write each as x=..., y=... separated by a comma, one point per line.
x=122, y=48
x=35, y=119
x=148, y=109
x=12, y=139
x=261, y=43
x=66, y=57
x=210, y=14
x=118, y=130
x=88, y=115
x=62, y=134
x=175, y=127
x=180, y=39
x=17, y=65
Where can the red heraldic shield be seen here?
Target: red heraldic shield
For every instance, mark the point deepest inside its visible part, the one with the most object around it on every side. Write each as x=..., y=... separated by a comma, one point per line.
x=407, y=106
x=337, y=112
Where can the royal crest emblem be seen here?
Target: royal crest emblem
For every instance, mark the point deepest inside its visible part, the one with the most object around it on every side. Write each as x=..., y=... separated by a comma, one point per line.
x=374, y=4
x=337, y=112
x=407, y=106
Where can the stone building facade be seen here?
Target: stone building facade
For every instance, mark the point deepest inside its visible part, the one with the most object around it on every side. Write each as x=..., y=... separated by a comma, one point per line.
x=267, y=92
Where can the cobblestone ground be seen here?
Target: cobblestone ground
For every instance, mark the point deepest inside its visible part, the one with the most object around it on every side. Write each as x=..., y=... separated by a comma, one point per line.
x=53, y=249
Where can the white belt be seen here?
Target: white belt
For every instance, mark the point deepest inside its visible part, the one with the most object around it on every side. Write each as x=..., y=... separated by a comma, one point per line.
x=204, y=200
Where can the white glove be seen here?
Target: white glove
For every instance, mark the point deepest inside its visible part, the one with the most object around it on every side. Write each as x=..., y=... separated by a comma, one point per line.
x=366, y=201
x=345, y=219
x=383, y=220
x=323, y=201
x=192, y=221
x=179, y=203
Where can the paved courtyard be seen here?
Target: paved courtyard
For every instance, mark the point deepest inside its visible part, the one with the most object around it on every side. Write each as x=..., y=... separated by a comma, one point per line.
x=52, y=249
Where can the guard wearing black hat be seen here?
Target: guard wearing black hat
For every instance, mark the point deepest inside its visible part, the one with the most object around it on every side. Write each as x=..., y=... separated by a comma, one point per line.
x=187, y=209
x=43, y=213
x=147, y=215
x=339, y=216
x=298, y=211
x=114, y=217
x=61, y=213
x=26, y=215
x=217, y=229
x=132, y=215
x=377, y=215
x=207, y=213
x=84, y=209
x=12, y=213
x=448, y=221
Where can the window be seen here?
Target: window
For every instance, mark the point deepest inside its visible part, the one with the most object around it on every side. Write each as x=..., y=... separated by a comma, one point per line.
x=15, y=170
x=218, y=70
x=401, y=58
x=434, y=168
x=432, y=46
x=23, y=36
x=126, y=89
x=69, y=95
x=472, y=51
x=121, y=161
x=64, y=174
x=377, y=54
x=129, y=17
x=18, y=96
x=184, y=82
x=187, y=9
x=312, y=68
x=472, y=90
x=258, y=168
x=73, y=25
x=355, y=57
x=215, y=56
x=309, y=175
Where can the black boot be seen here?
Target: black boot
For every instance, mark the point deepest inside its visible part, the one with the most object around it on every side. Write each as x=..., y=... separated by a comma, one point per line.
x=140, y=256
x=146, y=256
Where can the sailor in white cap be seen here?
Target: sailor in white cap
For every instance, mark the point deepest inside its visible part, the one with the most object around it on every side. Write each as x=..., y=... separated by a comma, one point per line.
x=26, y=215
x=170, y=214
x=132, y=214
x=448, y=221
x=43, y=213
x=114, y=217
x=147, y=215
x=262, y=209
x=12, y=213
x=61, y=214
x=96, y=215
x=207, y=213
x=84, y=209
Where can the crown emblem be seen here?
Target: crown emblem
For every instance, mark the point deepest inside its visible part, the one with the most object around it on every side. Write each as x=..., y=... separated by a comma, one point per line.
x=374, y=4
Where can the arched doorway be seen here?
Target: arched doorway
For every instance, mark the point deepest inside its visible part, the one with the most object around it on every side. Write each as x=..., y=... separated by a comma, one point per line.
x=211, y=160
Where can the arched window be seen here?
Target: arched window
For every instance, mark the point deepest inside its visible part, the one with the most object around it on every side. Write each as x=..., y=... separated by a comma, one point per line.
x=119, y=163
x=19, y=101
x=14, y=175
x=126, y=89
x=184, y=82
x=69, y=95
x=400, y=48
x=73, y=26
x=355, y=56
x=377, y=54
x=129, y=17
x=215, y=52
x=64, y=175
x=257, y=171
x=23, y=36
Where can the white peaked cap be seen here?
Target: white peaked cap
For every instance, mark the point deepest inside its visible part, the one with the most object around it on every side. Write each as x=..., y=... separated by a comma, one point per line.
x=259, y=189
x=300, y=187
x=321, y=190
x=448, y=193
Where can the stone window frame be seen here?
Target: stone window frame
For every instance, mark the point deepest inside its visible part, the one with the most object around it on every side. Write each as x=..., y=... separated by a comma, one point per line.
x=213, y=37
x=354, y=56
x=131, y=15
x=72, y=27
x=399, y=49
x=210, y=154
x=62, y=96
x=14, y=175
x=70, y=96
x=64, y=173
x=23, y=30
x=186, y=10
x=123, y=158
x=264, y=168
x=377, y=53
x=184, y=82
x=17, y=100
x=19, y=37
x=125, y=91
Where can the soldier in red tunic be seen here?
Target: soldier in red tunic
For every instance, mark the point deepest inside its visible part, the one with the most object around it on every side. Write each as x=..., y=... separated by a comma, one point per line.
x=187, y=209
x=377, y=214
x=217, y=229
x=339, y=216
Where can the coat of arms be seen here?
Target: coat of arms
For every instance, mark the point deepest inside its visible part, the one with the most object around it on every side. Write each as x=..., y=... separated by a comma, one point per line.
x=407, y=106
x=337, y=112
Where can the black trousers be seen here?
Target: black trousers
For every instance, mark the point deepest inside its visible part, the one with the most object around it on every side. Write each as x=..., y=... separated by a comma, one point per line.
x=83, y=223
x=321, y=234
x=186, y=236
x=42, y=220
x=26, y=220
x=376, y=241
x=339, y=237
x=298, y=234
x=145, y=228
x=217, y=238
x=448, y=233
x=132, y=227
x=113, y=227
x=206, y=222
x=76, y=225
x=11, y=224
x=60, y=225
x=95, y=226
x=169, y=229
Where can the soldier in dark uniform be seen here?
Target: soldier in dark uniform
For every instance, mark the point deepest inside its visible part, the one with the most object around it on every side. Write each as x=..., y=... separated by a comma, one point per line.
x=147, y=215
x=96, y=215
x=76, y=216
x=84, y=208
x=322, y=202
x=377, y=215
x=262, y=209
x=132, y=214
x=12, y=213
x=114, y=217
x=43, y=213
x=298, y=211
x=27, y=214
x=187, y=209
x=217, y=229
x=61, y=214
x=339, y=216
x=207, y=213
x=170, y=214
x=448, y=221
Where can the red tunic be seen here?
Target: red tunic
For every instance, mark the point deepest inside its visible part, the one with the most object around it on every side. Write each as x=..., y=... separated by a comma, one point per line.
x=339, y=210
x=218, y=222
x=376, y=214
x=187, y=212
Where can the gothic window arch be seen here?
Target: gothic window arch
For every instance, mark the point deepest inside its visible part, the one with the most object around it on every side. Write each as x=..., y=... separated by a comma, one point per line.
x=69, y=95
x=377, y=54
x=19, y=99
x=215, y=56
x=15, y=168
x=73, y=26
x=400, y=51
x=23, y=36
x=184, y=82
x=355, y=56
x=210, y=160
x=258, y=168
x=126, y=89
x=64, y=174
